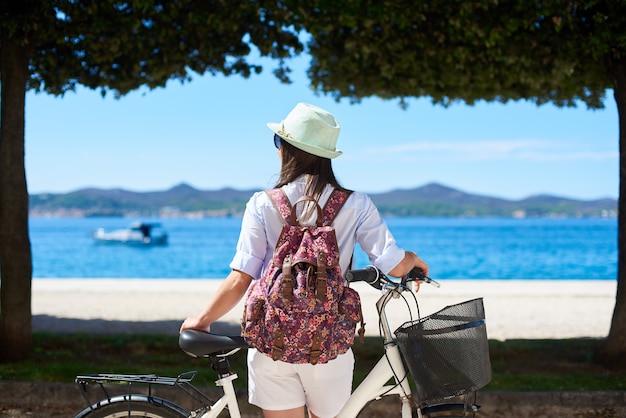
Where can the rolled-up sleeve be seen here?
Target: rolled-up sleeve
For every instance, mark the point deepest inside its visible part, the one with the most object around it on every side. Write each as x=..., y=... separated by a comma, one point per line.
x=252, y=245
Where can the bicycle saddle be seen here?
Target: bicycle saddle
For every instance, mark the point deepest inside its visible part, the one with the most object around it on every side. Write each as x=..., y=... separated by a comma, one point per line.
x=203, y=344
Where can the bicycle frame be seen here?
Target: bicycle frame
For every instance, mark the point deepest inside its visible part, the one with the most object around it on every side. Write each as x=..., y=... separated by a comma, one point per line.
x=229, y=400
x=373, y=387
x=388, y=377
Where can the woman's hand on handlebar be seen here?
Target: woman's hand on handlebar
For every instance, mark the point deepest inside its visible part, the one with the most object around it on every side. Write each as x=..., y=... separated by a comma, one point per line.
x=421, y=265
x=410, y=261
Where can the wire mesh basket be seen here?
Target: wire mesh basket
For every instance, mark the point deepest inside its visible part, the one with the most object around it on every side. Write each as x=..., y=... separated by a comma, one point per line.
x=447, y=353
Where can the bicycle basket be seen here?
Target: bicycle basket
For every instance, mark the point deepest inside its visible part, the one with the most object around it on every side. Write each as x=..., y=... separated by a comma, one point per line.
x=447, y=352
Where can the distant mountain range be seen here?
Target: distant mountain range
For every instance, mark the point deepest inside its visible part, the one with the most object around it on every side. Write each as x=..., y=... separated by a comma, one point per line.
x=430, y=200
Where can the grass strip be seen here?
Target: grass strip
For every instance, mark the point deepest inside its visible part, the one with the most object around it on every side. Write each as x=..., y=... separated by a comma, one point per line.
x=517, y=365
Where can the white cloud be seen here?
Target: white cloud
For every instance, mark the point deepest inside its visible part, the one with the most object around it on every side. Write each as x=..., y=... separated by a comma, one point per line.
x=501, y=150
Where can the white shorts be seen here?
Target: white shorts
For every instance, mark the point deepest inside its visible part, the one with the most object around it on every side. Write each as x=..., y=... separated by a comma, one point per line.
x=276, y=385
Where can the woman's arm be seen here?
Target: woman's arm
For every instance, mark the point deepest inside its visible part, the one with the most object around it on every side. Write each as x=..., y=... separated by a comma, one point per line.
x=407, y=264
x=230, y=292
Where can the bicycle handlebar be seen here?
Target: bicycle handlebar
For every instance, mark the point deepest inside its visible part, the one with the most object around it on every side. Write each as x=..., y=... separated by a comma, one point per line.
x=370, y=274
x=376, y=278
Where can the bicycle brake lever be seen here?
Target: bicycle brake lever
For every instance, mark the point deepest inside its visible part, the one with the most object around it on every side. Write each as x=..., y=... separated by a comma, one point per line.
x=418, y=274
x=431, y=281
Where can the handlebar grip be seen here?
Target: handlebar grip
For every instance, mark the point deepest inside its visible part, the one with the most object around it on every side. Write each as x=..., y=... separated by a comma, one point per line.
x=370, y=275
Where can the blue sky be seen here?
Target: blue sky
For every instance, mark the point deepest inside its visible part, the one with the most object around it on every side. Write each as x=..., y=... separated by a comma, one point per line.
x=211, y=133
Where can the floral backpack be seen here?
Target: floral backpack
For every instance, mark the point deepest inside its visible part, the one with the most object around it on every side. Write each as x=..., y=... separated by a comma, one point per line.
x=300, y=310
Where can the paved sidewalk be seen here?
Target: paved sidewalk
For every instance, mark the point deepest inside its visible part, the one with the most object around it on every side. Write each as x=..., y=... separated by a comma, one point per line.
x=50, y=400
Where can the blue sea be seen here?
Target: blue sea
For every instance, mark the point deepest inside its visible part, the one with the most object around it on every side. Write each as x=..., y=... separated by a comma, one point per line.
x=455, y=248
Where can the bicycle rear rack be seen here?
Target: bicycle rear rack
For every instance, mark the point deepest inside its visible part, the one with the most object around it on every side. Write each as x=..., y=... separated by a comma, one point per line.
x=149, y=381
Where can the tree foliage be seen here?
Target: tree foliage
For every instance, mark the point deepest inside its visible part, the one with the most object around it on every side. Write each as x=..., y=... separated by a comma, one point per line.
x=120, y=46
x=494, y=50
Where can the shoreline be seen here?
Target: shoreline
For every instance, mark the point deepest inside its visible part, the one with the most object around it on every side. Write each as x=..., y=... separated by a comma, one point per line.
x=515, y=309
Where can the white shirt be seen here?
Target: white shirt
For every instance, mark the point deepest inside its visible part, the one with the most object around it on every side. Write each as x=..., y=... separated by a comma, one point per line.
x=357, y=222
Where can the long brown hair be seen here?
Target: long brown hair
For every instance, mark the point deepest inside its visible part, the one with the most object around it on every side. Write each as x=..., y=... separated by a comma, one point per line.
x=318, y=170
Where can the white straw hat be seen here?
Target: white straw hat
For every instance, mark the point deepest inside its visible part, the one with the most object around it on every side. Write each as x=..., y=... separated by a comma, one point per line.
x=311, y=129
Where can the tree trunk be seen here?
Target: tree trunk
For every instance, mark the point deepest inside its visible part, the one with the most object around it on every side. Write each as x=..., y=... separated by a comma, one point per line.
x=614, y=350
x=15, y=250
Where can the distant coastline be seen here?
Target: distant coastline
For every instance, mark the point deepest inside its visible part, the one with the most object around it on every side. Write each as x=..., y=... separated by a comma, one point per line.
x=431, y=200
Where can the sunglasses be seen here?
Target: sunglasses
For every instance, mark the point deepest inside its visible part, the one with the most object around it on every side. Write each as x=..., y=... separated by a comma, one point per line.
x=277, y=141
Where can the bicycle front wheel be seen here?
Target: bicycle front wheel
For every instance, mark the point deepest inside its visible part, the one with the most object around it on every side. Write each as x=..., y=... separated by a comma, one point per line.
x=450, y=410
x=134, y=406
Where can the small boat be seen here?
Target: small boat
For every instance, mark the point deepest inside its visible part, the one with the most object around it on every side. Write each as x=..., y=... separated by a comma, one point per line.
x=138, y=233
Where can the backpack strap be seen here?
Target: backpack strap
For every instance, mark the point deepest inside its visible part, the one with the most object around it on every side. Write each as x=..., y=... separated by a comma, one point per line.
x=334, y=204
x=322, y=278
x=319, y=219
x=278, y=344
x=314, y=355
x=331, y=208
x=281, y=203
x=286, y=282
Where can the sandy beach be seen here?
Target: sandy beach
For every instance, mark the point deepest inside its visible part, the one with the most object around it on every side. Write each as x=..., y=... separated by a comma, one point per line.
x=514, y=308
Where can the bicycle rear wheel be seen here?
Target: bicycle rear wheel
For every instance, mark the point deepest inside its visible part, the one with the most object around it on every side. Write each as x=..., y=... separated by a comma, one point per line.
x=134, y=406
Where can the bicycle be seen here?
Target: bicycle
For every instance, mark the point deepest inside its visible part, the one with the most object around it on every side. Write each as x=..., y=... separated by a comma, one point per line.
x=446, y=354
